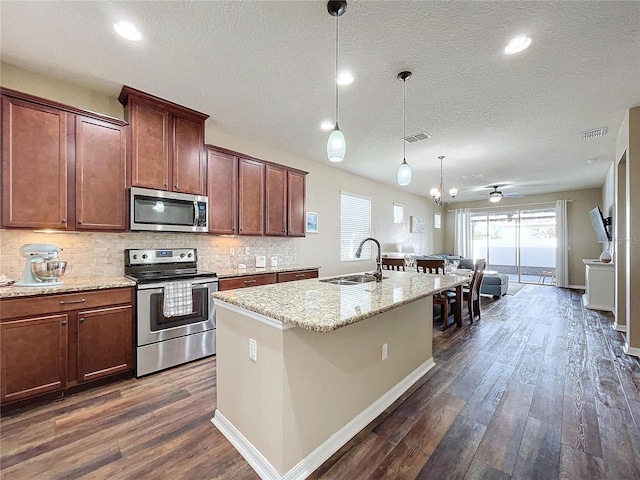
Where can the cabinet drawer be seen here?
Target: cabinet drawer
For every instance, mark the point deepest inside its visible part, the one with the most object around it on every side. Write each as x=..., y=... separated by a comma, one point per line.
x=300, y=275
x=47, y=304
x=247, y=281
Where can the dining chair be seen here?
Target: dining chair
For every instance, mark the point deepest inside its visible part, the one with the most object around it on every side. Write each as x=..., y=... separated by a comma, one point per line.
x=393, y=263
x=471, y=295
x=444, y=299
x=430, y=266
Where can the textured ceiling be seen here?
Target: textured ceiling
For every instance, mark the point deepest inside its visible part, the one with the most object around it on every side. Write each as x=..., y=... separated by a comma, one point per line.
x=264, y=71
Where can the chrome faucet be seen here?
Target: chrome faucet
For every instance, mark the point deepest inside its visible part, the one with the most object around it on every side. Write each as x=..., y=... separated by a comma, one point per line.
x=378, y=273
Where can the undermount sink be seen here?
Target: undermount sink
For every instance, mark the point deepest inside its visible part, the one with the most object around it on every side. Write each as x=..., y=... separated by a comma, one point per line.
x=350, y=280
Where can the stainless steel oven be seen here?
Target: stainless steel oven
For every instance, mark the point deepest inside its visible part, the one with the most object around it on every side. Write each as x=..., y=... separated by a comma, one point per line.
x=164, y=340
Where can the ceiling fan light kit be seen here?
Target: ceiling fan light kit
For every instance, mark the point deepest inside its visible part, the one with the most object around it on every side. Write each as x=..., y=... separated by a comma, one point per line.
x=336, y=143
x=404, y=171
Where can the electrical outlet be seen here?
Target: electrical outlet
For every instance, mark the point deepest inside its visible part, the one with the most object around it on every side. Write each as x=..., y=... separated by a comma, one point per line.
x=232, y=251
x=246, y=251
x=385, y=351
x=253, y=350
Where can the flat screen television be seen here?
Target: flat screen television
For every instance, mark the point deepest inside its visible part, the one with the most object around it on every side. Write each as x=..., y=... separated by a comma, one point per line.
x=599, y=225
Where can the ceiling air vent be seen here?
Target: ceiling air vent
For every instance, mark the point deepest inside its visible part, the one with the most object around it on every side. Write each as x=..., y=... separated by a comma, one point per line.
x=471, y=176
x=598, y=132
x=416, y=137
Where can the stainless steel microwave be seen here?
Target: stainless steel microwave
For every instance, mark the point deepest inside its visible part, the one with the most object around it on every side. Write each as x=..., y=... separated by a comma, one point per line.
x=160, y=211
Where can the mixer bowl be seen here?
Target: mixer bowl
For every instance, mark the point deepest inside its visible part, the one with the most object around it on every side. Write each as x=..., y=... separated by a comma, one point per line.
x=49, y=270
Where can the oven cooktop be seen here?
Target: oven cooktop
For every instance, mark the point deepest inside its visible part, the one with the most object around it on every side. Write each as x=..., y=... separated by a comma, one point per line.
x=169, y=275
x=154, y=265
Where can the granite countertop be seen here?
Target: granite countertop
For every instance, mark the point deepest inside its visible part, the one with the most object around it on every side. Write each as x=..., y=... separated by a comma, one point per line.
x=242, y=272
x=323, y=307
x=70, y=285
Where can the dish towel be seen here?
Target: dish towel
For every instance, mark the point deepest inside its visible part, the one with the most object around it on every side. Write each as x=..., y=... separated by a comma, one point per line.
x=178, y=299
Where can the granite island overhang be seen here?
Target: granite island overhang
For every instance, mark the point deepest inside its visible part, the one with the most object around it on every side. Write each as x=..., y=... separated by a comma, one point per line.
x=303, y=366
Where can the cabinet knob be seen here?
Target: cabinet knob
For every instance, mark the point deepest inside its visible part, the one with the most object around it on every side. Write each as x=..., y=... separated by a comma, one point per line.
x=64, y=322
x=64, y=220
x=79, y=222
x=81, y=319
x=165, y=184
x=175, y=186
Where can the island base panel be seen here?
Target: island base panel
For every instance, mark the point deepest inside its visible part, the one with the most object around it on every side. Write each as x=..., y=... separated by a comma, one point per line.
x=295, y=405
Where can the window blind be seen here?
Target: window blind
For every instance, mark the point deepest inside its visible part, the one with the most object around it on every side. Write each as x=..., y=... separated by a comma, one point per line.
x=355, y=226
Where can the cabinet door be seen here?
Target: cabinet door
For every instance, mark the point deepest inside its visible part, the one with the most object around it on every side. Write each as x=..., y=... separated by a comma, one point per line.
x=34, y=356
x=250, y=197
x=188, y=157
x=275, y=201
x=222, y=188
x=34, y=165
x=149, y=146
x=105, y=342
x=100, y=175
x=296, y=221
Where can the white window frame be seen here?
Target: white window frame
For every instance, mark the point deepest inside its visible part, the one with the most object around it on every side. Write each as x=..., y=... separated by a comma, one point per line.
x=355, y=226
x=398, y=213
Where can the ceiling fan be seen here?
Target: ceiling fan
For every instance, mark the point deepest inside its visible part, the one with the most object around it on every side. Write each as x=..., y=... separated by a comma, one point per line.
x=496, y=195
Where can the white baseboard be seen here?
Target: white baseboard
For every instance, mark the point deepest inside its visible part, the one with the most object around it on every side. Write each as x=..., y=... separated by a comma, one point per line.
x=619, y=328
x=577, y=287
x=311, y=462
x=631, y=350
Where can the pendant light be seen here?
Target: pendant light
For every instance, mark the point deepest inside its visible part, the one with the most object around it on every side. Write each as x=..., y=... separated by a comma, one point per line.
x=336, y=144
x=404, y=172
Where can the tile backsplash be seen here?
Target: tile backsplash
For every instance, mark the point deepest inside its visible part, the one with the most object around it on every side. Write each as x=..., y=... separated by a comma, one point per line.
x=102, y=254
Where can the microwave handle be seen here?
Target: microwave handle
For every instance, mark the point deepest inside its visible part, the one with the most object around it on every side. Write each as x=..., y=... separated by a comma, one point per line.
x=195, y=213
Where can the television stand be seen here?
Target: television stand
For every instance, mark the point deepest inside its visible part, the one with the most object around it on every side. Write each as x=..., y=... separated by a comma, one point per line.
x=599, y=285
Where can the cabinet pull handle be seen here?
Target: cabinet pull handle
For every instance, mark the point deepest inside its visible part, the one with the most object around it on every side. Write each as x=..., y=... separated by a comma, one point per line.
x=300, y=275
x=64, y=220
x=82, y=300
x=249, y=281
x=64, y=322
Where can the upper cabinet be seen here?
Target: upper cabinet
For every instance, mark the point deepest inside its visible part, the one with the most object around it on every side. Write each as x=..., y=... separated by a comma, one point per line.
x=248, y=196
x=167, y=144
x=62, y=168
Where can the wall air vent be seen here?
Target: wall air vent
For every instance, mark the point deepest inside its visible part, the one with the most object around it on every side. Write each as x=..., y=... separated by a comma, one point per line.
x=416, y=137
x=598, y=132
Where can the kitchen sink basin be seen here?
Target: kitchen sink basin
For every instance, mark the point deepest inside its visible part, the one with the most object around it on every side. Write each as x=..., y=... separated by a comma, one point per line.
x=350, y=280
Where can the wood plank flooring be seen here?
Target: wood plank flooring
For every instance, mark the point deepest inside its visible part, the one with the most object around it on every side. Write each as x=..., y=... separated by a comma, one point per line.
x=537, y=389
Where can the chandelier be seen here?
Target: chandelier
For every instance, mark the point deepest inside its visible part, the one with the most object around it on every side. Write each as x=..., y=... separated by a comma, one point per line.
x=438, y=194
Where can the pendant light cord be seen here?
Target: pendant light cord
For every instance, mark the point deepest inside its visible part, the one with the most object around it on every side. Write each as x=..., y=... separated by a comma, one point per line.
x=404, y=119
x=335, y=79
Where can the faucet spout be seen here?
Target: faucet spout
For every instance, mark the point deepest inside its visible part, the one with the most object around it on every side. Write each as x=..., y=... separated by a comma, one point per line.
x=378, y=273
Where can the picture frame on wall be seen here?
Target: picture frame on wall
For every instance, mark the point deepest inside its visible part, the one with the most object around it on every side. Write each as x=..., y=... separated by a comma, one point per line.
x=312, y=222
x=417, y=224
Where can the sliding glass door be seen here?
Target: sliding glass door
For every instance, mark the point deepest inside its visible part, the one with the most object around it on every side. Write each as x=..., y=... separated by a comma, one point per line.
x=519, y=243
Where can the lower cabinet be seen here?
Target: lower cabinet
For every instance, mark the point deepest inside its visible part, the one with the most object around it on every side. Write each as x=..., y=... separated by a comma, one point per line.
x=52, y=343
x=265, y=279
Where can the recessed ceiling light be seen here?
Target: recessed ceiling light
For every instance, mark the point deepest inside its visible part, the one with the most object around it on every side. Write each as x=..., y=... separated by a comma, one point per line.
x=327, y=125
x=128, y=30
x=518, y=44
x=344, y=78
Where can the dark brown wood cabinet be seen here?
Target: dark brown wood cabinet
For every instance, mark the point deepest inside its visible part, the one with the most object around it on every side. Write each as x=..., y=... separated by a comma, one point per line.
x=296, y=195
x=297, y=275
x=100, y=175
x=34, y=164
x=34, y=357
x=222, y=187
x=62, y=168
x=275, y=201
x=250, y=197
x=265, y=279
x=167, y=143
x=53, y=343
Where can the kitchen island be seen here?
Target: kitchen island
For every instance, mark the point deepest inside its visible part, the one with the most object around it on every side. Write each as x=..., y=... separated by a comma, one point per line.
x=302, y=367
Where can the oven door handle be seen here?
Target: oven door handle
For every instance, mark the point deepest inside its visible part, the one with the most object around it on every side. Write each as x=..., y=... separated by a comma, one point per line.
x=161, y=285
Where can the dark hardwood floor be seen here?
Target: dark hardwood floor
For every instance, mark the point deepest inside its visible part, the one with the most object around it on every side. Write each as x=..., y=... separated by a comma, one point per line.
x=537, y=389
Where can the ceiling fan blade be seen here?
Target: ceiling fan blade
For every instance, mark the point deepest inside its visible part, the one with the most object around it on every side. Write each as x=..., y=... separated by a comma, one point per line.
x=512, y=195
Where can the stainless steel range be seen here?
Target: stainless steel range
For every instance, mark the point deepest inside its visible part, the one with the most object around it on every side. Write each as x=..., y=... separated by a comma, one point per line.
x=176, y=317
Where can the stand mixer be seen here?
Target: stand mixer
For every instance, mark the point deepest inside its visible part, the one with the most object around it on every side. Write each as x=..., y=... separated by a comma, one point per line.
x=43, y=267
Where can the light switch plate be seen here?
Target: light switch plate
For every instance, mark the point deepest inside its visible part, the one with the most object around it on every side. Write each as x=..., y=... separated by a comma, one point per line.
x=253, y=350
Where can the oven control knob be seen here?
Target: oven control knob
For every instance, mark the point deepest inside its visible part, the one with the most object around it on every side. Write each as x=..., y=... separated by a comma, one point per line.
x=135, y=256
x=190, y=255
x=182, y=255
x=144, y=255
